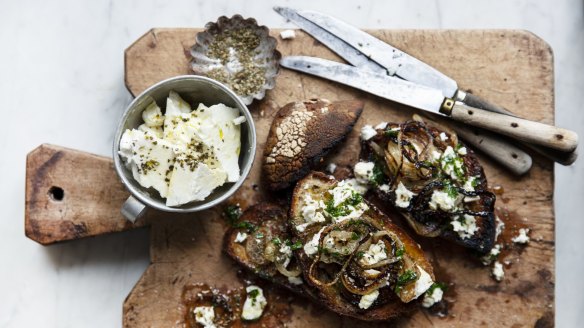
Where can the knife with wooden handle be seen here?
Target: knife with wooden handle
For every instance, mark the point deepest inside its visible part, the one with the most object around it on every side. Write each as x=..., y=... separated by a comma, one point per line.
x=432, y=100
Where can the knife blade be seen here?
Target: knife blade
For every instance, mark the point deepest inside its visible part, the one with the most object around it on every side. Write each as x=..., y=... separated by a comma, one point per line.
x=393, y=60
x=432, y=100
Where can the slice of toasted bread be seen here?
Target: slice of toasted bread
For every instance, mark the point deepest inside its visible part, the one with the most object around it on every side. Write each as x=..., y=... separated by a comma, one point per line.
x=393, y=293
x=301, y=134
x=263, y=223
x=412, y=156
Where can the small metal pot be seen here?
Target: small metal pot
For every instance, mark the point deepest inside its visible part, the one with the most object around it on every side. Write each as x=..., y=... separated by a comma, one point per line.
x=193, y=89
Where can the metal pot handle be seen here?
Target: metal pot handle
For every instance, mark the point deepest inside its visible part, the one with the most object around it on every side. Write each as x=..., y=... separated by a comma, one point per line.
x=133, y=209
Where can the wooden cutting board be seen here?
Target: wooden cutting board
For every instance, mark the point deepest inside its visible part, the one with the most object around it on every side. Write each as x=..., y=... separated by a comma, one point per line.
x=71, y=194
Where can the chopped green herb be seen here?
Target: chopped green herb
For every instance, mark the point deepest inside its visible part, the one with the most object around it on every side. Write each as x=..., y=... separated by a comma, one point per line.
x=377, y=175
x=400, y=252
x=360, y=254
x=390, y=132
x=259, y=235
x=294, y=246
x=354, y=235
x=277, y=241
x=250, y=227
x=435, y=285
x=405, y=279
x=232, y=212
x=475, y=182
x=343, y=208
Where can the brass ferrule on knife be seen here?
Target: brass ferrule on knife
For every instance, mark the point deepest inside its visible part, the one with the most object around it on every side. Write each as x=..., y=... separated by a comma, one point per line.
x=446, y=107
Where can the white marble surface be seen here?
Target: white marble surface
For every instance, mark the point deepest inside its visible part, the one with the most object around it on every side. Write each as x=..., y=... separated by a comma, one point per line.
x=61, y=81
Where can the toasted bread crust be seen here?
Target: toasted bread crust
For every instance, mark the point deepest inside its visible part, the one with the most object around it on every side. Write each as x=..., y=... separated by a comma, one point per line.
x=302, y=133
x=331, y=296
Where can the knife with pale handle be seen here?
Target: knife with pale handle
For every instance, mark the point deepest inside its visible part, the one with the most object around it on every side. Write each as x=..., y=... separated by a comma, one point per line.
x=433, y=100
x=367, y=52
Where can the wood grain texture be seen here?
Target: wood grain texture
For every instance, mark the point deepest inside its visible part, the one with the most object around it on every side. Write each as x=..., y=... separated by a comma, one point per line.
x=510, y=68
x=90, y=201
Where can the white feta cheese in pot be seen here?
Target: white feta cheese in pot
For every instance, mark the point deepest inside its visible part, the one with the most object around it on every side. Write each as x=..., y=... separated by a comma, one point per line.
x=465, y=225
x=441, y=200
x=368, y=299
x=364, y=171
x=287, y=34
x=432, y=296
x=522, y=238
x=255, y=303
x=241, y=237
x=375, y=253
x=498, y=272
x=152, y=115
x=402, y=196
x=205, y=316
x=187, y=185
x=295, y=280
x=239, y=120
x=367, y=132
x=423, y=283
x=152, y=130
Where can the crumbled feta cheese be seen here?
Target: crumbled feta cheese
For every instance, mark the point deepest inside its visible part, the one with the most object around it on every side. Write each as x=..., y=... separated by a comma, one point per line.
x=285, y=255
x=465, y=226
x=423, y=282
x=443, y=136
x=341, y=192
x=436, y=155
x=205, y=316
x=364, y=171
x=241, y=237
x=384, y=187
x=239, y=120
x=498, y=272
x=403, y=196
x=381, y=126
x=331, y=168
x=451, y=164
x=368, y=299
x=468, y=184
x=462, y=151
x=500, y=227
x=152, y=115
x=375, y=253
x=493, y=254
x=255, y=303
x=287, y=34
x=311, y=247
x=311, y=212
x=367, y=132
x=522, y=238
x=356, y=185
x=441, y=200
x=432, y=298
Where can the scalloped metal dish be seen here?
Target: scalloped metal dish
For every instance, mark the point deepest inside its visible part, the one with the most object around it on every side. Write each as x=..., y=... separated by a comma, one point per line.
x=265, y=57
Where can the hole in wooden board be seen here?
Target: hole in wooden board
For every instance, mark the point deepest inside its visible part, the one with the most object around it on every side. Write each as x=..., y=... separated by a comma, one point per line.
x=514, y=125
x=56, y=193
x=470, y=112
x=559, y=136
x=514, y=155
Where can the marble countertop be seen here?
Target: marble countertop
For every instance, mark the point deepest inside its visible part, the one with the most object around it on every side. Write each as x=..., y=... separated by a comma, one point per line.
x=61, y=82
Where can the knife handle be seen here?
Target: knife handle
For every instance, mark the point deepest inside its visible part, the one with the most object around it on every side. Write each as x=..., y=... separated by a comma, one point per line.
x=559, y=157
x=495, y=146
x=529, y=131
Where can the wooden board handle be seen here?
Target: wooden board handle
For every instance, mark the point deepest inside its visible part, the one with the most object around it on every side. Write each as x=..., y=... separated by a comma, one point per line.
x=71, y=195
x=531, y=132
x=558, y=157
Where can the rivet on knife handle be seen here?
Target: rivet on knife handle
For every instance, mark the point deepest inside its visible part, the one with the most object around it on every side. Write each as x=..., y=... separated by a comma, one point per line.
x=524, y=130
